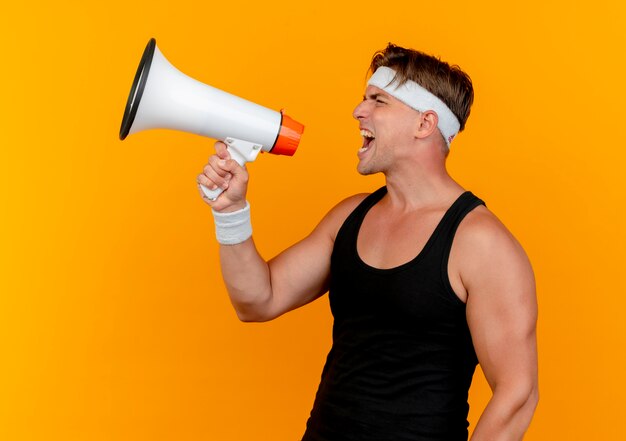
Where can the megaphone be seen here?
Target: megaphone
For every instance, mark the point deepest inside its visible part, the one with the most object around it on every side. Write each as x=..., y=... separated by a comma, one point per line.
x=163, y=97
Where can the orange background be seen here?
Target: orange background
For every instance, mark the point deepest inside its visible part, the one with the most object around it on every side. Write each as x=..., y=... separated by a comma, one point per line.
x=114, y=322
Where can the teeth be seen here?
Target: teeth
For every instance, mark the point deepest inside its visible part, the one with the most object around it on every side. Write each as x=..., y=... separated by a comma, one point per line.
x=367, y=134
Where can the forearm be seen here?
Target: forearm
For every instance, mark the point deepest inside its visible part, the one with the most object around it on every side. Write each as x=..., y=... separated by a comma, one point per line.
x=247, y=278
x=507, y=416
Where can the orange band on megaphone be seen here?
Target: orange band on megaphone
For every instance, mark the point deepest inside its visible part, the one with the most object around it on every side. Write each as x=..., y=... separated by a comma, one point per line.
x=288, y=137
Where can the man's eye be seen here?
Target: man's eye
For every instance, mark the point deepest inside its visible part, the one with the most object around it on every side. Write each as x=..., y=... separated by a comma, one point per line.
x=381, y=101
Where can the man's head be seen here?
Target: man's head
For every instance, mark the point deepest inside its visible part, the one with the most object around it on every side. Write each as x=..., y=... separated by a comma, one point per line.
x=448, y=83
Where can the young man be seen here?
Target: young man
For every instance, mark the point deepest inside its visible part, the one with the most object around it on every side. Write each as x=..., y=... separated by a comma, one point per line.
x=424, y=281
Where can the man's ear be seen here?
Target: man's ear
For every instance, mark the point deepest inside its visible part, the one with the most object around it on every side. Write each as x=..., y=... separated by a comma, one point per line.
x=427, y=124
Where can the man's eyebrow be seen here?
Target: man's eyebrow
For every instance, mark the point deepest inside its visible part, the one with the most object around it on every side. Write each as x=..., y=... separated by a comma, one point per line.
x=375, y=96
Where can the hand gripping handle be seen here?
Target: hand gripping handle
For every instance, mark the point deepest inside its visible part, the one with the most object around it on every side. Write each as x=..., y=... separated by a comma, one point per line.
x=242, y=152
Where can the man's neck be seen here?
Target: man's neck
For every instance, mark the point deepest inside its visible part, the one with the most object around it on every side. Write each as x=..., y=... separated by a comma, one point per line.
x=421, y=184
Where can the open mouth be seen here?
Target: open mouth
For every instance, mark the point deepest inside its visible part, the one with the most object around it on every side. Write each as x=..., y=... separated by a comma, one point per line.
x=368, y=138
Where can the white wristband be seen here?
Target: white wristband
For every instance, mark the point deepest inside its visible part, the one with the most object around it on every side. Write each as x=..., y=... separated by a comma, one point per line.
x=233, y=228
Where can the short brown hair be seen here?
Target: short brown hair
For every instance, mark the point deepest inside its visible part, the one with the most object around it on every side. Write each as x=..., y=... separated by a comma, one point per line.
x=449, y=83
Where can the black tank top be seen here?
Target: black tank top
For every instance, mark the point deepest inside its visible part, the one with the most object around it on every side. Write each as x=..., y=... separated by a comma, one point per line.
x=402, y=358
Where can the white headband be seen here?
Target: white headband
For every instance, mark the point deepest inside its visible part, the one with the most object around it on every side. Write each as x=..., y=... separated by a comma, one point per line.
x=418, y=98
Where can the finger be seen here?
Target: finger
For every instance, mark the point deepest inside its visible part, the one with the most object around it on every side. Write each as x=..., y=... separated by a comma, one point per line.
x=202, y=179
x=214, y=179
x=219, y=167
x=231, y=166
x=221, y=149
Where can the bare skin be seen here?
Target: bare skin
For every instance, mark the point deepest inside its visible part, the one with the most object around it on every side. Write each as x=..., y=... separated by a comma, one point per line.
x=488, y=269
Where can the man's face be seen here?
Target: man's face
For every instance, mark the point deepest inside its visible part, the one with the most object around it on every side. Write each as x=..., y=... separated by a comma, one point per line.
x=387, y=126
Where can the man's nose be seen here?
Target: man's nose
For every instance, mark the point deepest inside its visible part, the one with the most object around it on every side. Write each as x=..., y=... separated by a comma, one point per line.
x=359, y=111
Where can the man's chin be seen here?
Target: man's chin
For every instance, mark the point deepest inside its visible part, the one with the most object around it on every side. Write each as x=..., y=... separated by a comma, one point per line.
x=365, y=169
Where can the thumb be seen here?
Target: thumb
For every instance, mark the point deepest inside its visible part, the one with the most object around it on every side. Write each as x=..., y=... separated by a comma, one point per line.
x=221, y=150
x=231, y=166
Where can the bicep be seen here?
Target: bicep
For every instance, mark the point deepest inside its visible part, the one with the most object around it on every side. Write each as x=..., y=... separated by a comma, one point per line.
x=502, y=313
x=301, y=273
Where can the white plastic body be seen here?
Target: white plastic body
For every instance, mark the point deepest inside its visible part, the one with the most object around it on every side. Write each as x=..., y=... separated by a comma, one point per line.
x=173, y=100
x=242, y=152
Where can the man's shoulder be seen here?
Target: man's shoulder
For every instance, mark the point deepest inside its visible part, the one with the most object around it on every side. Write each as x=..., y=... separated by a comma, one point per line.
x=347, y=205
x=482, y=233
x=483, y=241
x=342, y=210
x=337, y=215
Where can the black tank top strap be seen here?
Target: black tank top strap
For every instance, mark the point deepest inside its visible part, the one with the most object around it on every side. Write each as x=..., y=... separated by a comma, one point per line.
x=349, y=229
x=453, y=217
x=369, y=201
x=446, y=230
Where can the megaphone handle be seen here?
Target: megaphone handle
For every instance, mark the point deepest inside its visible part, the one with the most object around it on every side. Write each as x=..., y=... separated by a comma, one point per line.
x=242, y=152
x=211, y=194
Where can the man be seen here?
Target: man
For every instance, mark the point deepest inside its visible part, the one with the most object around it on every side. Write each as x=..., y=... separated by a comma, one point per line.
x=424, y=281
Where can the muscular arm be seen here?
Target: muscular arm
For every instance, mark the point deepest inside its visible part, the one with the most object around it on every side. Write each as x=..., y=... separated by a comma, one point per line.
x=502, y=315
x=260, y=290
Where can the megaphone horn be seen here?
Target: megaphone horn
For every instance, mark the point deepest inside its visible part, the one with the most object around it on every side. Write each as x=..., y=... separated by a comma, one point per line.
x=162, y=97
